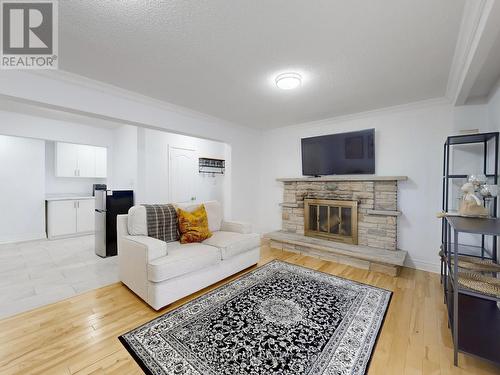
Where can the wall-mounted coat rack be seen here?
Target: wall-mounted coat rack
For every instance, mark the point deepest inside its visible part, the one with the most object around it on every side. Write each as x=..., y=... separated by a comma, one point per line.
x=212, y=166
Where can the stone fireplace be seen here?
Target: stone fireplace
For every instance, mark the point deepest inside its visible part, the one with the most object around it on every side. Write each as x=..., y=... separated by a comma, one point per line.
x=376, y=206
x=331, y=219
x=346, y=219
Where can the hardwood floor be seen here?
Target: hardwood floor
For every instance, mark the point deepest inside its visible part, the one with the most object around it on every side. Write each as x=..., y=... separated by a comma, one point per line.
x=79, y=335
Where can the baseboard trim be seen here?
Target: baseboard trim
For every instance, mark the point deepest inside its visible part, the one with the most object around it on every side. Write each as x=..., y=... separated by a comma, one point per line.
x=23, y=238
x=423, y=265
x=73, y=235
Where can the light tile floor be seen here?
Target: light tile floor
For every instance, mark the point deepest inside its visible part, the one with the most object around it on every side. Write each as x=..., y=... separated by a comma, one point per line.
x=37, y=273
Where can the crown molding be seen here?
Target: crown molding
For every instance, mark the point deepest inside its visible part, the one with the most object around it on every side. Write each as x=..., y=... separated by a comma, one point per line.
x=91, y=116
x=109, y=89
x=478, y=31
x=75, y=79
x=422, y=104
x=471, y=19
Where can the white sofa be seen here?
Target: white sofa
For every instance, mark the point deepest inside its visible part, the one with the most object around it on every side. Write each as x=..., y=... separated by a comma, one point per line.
x=161, y=273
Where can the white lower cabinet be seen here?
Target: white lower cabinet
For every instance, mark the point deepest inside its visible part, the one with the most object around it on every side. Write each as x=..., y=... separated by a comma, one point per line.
x=67, y=218
x=61, y=218
x=85, y=216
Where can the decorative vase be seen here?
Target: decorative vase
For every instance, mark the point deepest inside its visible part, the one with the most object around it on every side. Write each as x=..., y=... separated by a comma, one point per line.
x=489, y=203
x=470, y=208
x=477, y=179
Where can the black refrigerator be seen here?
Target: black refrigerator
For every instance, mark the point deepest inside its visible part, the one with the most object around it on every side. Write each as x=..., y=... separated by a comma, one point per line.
x=109, y=204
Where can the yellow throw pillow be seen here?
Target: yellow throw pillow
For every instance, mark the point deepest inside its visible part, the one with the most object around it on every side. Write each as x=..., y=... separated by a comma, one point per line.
x=193, y=226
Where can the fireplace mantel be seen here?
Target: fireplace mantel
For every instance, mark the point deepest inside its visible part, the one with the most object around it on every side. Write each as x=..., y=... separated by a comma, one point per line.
x=344, y=178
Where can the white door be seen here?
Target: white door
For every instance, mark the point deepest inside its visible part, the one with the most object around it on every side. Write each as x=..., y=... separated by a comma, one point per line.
x=61, y=217
x=182, y=175
x=86, y=161
x=85, y=216
x=66, y=160
x=101, y=162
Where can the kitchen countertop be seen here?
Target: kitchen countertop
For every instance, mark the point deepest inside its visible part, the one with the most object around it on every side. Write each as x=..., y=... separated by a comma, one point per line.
x=67, y=197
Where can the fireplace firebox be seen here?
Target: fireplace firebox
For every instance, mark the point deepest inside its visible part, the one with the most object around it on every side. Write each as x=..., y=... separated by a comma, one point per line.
x=336, y=220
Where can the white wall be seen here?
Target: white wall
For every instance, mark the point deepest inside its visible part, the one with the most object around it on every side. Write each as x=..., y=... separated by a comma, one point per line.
x=409, y=142
x=65, y=185
x=34, y=131
x=153, y=181
x=124, y=159
x=37, y=127
x=494, y=108
x=23, y=125
x=140, y=162
x=22, y=189
x=76, y=94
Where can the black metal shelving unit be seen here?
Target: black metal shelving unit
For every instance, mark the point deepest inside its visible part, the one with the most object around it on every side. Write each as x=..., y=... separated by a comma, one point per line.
x=473, y=316
x=482, y=138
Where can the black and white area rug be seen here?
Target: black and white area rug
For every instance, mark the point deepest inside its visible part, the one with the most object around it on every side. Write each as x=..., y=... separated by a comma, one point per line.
x=278, y=319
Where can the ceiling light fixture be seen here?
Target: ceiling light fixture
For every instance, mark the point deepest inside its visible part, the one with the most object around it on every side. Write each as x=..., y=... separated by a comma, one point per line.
x=288, y=81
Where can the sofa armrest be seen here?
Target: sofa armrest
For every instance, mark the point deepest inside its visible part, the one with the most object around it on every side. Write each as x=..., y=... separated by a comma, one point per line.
x=134, y=255
x=236, y=226
x=154, y=248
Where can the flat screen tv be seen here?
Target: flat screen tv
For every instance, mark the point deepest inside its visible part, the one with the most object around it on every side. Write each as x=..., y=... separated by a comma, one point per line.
x=344, y=153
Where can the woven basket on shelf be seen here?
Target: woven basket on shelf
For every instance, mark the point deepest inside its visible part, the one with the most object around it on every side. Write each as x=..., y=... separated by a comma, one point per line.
x=474, y=264
x=480, y=283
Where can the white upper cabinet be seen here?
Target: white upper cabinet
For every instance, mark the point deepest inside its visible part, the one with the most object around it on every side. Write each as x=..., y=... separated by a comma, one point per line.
x=66, y=160
x=86, y=161
x=101, y=162
x=74, y=160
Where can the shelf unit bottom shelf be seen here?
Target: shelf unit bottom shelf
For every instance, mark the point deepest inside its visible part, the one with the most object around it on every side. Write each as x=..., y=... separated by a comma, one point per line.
x=471, y=250
x=478, y=326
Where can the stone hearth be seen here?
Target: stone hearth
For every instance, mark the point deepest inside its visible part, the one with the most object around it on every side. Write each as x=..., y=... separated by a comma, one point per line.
x=377, y=214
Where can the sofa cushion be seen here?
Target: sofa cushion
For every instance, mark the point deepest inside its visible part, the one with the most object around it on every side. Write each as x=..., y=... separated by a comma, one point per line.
x=153, y=220
x=236, y=226
x=214, y=213
x=153, y=247
x=182, y=259
x=137, y=223
x=162, y=222
x=193, y=226
x=231, y=243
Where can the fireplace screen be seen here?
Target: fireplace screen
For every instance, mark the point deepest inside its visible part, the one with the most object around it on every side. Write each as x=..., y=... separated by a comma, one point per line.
x=333, y=219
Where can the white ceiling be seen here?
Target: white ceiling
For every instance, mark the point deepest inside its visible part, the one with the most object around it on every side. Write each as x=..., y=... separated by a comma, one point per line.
x=220, y=56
